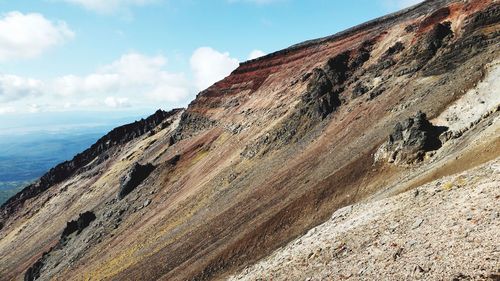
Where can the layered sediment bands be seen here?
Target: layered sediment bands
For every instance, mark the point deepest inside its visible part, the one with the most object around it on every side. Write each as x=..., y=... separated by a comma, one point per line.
x=98, y=150
x=272, y=150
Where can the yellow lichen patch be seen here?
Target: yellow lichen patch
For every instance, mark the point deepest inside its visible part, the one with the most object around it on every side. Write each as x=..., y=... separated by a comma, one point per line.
x=460, y=181
x=200, y=155
x=221, y=139
x=447, y=186
x=115, y=265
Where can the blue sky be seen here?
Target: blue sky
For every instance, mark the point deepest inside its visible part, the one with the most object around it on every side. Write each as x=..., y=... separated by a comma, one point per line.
x=140, y=55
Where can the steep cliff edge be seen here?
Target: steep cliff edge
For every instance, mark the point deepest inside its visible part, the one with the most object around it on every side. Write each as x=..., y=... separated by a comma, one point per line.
x=271, y=151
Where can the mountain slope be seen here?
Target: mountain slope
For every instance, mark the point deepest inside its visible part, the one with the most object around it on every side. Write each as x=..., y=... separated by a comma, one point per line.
x=443, y=230
x=269, y=152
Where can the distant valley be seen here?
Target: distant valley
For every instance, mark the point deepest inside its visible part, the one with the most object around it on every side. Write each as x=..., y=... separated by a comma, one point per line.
x=25, y=155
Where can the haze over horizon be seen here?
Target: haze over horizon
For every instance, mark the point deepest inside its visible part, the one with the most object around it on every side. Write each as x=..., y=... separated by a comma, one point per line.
x=129, y=58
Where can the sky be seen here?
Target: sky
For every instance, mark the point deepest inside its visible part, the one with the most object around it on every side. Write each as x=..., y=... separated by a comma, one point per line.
x=122, y=57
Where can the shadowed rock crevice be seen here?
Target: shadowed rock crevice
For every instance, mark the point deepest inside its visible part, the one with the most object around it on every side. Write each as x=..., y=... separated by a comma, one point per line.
x=77, y=225
x=33, y=273
x=410, y=140
x=433, y=41
x=134, y=177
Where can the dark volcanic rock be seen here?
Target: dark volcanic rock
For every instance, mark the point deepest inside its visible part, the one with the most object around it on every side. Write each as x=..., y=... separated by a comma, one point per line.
x=337, y=68
x=134, y=177
x=190, y=124
x=319, y=101
x=66, y=169
x=359, y=90
x=410, y=140
x=394, y=49
x=436, y=37
x=33, y=272
x=78, y=225
x=483, y=18
x=319, y=98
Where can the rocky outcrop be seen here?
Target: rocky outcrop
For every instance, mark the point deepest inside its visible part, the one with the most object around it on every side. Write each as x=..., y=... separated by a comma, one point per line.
x=134, y=177
x=321, y=98
x=33, y=273
x=78, y=225
x=119, y=135
x=190, y=124
x=410, y=140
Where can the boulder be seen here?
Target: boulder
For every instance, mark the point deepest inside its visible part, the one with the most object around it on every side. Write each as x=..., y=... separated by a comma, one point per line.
x=410, y=140
x=78, y=225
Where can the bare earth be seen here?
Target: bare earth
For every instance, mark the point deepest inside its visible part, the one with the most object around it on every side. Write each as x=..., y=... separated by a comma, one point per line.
x=445, y=230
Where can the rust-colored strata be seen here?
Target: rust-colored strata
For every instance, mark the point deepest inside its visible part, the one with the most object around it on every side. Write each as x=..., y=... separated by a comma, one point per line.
x=262, y=156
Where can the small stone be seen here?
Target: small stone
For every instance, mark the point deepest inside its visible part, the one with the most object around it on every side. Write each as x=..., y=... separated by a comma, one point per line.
x=146, y=203
x=411, y=243
x=417, y=223
x=393, y=227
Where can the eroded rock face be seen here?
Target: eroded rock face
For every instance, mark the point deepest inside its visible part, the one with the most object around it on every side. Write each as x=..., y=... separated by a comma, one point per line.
x=33, y=272
x=136, y=176
x=78, y=225
x=410, y=140
x=190, y=124
x=320, y=100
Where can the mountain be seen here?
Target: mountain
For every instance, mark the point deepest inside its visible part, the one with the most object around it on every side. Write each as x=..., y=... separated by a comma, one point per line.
x=367, y=116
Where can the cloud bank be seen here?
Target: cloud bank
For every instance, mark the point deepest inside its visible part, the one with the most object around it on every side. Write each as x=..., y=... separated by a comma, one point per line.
x=24, y=36
x=209, y=66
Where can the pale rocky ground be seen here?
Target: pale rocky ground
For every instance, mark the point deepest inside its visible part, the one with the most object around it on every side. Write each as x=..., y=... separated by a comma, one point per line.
x=444, y=230
x=475, y=103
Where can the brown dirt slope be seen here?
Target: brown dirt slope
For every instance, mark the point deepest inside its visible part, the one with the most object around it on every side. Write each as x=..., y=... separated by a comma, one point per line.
x=269, y=152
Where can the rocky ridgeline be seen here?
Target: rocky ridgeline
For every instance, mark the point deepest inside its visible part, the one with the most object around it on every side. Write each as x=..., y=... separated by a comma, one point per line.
x=117, y=136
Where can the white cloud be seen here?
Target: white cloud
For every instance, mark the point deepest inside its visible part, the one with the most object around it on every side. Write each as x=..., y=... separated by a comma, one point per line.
x=29, y=35
x=109, y=6
x=7, y=110
x=132, y=80
x=400, y=4
x=209, y=66
x=256, y=54
x=34, y=108
x=117, y=102
x=13, y=87
x=132, y=75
